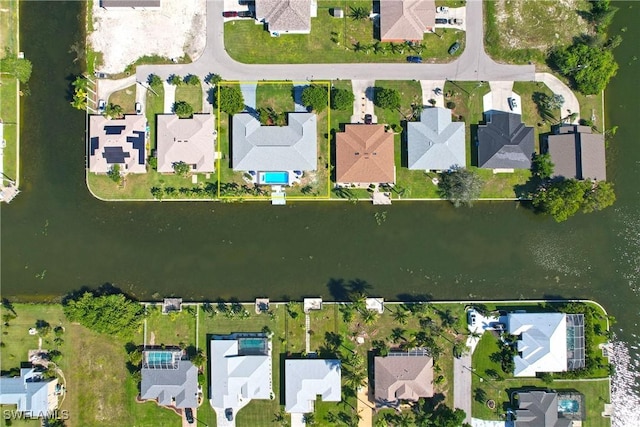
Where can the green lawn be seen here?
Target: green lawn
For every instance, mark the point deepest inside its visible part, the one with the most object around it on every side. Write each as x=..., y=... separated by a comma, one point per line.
x=331, y=40
x=278, y=96
x=9, y=115
x=190, y=94
x=519, y=32
x=155, y=105
x=126, y=98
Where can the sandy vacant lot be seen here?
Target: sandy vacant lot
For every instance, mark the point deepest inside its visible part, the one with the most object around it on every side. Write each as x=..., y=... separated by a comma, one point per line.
x=123, y=36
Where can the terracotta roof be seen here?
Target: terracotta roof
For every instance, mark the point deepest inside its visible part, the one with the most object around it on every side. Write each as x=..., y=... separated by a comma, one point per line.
x=285, y=15
x=402, y=377
x=364, y=154
x=117, y=141
x=406, y=19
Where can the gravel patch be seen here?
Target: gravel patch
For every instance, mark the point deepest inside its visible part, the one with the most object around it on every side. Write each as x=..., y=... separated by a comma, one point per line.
x=123, y=36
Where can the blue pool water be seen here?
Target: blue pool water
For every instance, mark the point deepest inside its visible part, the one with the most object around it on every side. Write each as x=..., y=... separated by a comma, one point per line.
x=568, y=406
x=252, y=345
x=281, y=178
x=158, y=357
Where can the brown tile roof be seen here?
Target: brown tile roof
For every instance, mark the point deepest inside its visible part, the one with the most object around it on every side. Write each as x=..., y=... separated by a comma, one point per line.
x=576, y=152
x=562, y=149
x=406, y=19
x=364, y=154
x=402, y=377
x=185, y=140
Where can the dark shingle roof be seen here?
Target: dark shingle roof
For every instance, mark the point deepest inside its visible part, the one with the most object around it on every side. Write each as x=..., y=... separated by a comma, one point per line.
x=504, y=142
x=539, y=409
x=576, y=152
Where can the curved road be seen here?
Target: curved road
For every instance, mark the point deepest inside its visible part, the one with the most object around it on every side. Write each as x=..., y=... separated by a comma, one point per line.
x=472, y=65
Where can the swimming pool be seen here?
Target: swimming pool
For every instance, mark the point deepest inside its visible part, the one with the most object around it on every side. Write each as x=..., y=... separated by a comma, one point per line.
x=273, y=177
x=568, y=406
x=159, y=359
x=252, y=346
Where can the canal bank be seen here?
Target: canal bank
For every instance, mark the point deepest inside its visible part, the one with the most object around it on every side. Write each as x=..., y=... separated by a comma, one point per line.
x=56, y=237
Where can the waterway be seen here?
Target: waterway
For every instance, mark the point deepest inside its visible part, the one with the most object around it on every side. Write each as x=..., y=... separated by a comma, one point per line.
x=56, y=237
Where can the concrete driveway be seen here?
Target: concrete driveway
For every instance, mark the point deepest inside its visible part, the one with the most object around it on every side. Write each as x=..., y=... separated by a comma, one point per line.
x=169, y=97
x=363, y=100
x=105, y=87
x=571, y=104
x=432, y=89
x=462, y=384
x=249, y=95
x=498, y=98
x=454, y=13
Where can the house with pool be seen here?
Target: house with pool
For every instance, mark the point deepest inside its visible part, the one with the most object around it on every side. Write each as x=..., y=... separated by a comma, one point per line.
x=274, y=155
x=168, y=379
x=542, y=408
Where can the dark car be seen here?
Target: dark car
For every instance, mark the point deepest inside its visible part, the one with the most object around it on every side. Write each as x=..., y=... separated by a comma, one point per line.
x=368, y=119
x=414, y=59
x=454, y=48
x=188, y=414
x=231, y=14
x=245, y=14
x=441, y=20
x=228, y=413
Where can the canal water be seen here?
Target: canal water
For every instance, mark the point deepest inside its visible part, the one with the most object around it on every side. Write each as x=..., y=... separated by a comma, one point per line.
x=56, y=237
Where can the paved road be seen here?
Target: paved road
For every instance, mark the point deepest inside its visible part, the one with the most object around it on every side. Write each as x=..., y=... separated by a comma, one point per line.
x=571, y=104
x=473, y=65
x=462, y=384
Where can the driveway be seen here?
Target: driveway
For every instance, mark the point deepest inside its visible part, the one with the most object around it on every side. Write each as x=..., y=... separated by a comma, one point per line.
x=497, y=99
x=169, y=97
x=105, y=87
x=432, y=89
x=457, y=13
x=363, y=100
x=365, y=406
x=298, y=107
x=571, y=104
x=222, y=421
x=462, y=384
x=141, y=96
x=249, y=95
x=472, y=65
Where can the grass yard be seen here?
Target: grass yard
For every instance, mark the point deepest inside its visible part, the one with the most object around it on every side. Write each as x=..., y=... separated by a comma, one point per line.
x=523, y=31
x=191, y=95
x=171, y=329
x=9, y=115
x=155, y=105
x=332, y=40
x=126, y=98
x=278, y=96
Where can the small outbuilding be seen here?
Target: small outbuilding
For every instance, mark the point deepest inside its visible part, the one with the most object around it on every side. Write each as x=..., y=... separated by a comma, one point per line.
x=337, y=12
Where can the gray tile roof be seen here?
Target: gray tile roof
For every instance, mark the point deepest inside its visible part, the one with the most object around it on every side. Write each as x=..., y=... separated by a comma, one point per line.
x=171, y=387
x=435, y=142
x=504, y=142
x=576, y=152
x=285, y=15
x=539, y=409
x=237, y=379
x=402, y=377
x=30, y=392
x=275, y=148
x=406, y=19
x=305, y=379
x=187, y=140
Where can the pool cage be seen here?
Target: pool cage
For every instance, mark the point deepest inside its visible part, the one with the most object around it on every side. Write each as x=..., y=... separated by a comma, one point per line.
x=577, y=414
x=161, y=359
x=575, y=342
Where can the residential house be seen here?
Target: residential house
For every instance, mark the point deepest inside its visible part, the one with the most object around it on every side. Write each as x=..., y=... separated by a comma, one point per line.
x=33, y=395
x=539, y=409
x=186, y=140
x=305, y=379
x=285, y=16
x=435, y=142
x=543, y=345
x=577, y=152
x=117, y=142
x=168, y=379
x=240, y=368
x=275, y=148
x=406, y=20
x=403, y=376
x=364, y=155
x=504, y=142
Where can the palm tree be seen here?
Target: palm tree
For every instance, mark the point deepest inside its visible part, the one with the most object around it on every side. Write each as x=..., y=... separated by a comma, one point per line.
x=309, y=419
x=348, y=311
x=401, y=315
x=379, y=48
x=397, y=334
x=358, y=13
x=113, y=110
x=79, y=100
x=460, y=348
x=396, y=48
x=417, y=47
x=359, y=300
x=369, y=317
x=80, y=83
x=409, y=343
x=359, y=47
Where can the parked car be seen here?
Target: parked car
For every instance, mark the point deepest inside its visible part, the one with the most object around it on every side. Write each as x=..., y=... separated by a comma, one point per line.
x=230, y=14
x=368, y=119
x=472, y=318
x=188, y=414
x=101, y=106
x=414, y=59
x=100, y=75
x=513, y=104
x=228, y=413
x=442, y=9
x=138, y=108
x=455, y=21
x=441, y=21
x=245, y=14
x=454, y=48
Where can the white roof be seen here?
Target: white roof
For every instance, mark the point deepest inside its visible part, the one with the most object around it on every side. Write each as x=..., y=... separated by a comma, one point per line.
x=235, y=380
x=305, y=379
x=375, y=304
x=312, y=304
x=543, y=344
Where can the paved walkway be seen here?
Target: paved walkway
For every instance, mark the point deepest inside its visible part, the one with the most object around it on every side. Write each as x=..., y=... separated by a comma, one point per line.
x=462, y=384
x=365, y=406
x=429, y=92
x=141, y=96
x=363, y=100
x=307, y=333
x=571, y=104
x=169, y=97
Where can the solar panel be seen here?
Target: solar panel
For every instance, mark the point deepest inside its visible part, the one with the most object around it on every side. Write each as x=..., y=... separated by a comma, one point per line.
x=137, y=142
x=114, y=129
x=93, y=144
x=114, y=155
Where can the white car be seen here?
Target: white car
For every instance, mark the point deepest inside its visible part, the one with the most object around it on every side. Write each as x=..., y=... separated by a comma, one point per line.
x=513, y=104
x=101, y=106
x=138, y=108
x=442, y=9
x=472, y=319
